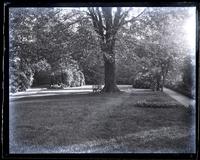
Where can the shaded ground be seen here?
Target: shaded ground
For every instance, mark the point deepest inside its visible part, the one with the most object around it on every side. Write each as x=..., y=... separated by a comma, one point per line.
x=61, y=122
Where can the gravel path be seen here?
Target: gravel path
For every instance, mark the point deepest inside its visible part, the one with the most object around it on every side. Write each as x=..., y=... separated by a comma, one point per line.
x=180, y=98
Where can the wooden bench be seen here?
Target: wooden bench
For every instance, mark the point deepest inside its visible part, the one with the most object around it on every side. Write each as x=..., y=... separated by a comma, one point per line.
x=97, y=88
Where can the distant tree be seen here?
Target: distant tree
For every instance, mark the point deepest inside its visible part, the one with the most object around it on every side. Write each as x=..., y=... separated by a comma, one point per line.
x=86, y=51
x=39, y=37
x=188, y=73
x=20, y=36
x=158, y=40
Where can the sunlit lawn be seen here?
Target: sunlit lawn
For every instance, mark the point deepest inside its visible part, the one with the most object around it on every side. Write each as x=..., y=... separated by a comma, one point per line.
x=100, y=123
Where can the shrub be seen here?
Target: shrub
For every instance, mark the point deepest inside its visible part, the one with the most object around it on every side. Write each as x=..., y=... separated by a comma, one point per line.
x=68, y=77
x=20, y=76
x=42, y=65
x=142, y=81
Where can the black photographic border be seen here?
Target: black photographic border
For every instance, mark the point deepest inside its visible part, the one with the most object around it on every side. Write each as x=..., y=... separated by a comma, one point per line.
x=78, y=3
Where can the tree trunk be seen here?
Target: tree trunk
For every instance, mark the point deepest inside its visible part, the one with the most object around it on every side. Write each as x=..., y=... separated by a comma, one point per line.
x=62, y=78
x=109, y=71
x=163, y=83
x=158, y=84
x=158, y=79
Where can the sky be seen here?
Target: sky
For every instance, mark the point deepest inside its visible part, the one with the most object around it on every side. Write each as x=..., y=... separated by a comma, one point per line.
x=190, y=28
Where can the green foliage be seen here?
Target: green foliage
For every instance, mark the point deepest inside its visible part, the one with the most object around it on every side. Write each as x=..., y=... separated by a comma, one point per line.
x=42, y=65
x=39, y=38
x=86, y=51
x=62, y=47
x=156, y=45
x=68, y=75
x=188, y=73
x=142, y=80
x=185, y=84
x=21, y=76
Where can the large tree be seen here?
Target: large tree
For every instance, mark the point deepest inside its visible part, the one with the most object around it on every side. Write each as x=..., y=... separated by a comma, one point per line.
x=106, y=23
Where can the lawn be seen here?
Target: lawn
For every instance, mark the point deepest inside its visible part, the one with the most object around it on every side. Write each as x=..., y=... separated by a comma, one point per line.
x=92, y=122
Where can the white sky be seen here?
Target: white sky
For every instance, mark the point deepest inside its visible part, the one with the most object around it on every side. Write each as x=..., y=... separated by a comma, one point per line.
x=190, y=28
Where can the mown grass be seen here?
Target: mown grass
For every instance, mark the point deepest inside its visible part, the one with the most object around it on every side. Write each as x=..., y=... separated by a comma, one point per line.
x=64, y=120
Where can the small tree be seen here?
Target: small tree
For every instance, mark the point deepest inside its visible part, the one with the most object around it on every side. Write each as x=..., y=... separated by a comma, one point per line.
x=188, y=74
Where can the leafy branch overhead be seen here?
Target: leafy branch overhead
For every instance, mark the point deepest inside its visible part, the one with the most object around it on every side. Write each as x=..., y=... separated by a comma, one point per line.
x=107, y=22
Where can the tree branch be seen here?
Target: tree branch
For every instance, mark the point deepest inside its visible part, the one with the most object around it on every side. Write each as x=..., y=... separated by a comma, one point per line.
x=132, y=19
x=107, y=13
x=97, y=20
x=100, y=19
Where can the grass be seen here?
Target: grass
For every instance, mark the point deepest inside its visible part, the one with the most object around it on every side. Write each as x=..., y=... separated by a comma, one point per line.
x=100, y=123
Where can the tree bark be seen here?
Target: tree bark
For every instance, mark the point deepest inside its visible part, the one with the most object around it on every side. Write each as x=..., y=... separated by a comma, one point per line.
x=158, y=84
x=109, y=71
x=163, y=83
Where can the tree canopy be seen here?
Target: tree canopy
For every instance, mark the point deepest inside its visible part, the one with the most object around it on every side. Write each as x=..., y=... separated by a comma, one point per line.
x=96, y=45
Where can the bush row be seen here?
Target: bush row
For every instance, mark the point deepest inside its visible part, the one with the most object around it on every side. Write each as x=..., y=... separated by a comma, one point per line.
x=23, y=76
